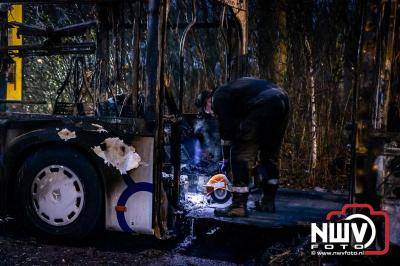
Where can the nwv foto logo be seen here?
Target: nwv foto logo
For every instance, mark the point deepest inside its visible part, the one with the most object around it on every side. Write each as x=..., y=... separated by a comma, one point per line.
x=357, y=232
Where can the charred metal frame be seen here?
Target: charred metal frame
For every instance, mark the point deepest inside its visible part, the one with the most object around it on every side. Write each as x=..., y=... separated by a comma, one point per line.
x=66, y=2
x=375, y=87
x=354, y=112
x=155, y=91
x=150, y=127
x=45, y=50
x=182, y=43
x=239, y=9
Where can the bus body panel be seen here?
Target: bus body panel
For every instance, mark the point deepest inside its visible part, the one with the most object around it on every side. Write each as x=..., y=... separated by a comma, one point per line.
x=20, y=135
x=129, y=199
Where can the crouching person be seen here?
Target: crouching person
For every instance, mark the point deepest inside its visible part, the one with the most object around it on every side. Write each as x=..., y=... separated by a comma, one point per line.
x=252, y=116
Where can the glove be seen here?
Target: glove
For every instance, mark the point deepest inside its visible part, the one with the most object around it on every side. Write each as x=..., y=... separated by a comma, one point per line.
x=226, y=166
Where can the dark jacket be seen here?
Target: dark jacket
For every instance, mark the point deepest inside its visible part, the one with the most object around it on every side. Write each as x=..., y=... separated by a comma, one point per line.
x=234, y=101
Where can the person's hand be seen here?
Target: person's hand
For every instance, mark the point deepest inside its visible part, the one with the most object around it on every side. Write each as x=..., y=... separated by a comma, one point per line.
x=226, y=166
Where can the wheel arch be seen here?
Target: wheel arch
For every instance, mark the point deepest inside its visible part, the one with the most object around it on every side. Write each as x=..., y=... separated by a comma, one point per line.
x=25, y=145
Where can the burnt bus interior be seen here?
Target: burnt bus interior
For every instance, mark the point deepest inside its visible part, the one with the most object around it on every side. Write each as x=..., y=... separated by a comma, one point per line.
x=126, y=76
x=199, y=140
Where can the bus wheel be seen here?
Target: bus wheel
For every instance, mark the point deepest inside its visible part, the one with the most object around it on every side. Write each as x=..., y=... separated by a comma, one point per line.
x=59, y=194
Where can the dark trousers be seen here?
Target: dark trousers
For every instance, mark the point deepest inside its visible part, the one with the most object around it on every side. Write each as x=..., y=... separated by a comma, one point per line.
x=259, y=138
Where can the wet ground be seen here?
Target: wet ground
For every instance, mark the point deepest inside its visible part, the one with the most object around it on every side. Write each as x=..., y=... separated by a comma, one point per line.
x=210, y=244
x=296, y=208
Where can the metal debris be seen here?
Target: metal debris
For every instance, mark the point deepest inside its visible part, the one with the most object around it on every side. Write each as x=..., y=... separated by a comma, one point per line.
x=297, y=253
x=213, y=230
x=66, y=134
x=188, y=241
x=194, y=200
x=6, y=219
x=116, y=153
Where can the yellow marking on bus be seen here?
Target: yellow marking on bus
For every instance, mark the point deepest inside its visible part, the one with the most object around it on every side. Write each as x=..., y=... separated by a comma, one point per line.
x=14, y=84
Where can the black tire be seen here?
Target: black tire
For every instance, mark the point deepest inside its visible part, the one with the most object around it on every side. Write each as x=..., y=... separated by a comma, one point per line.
x=92, y=206
x=219, y=199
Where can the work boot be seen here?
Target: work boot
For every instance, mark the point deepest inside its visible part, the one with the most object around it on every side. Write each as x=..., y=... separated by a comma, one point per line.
x=238, y=208
x=267, y=202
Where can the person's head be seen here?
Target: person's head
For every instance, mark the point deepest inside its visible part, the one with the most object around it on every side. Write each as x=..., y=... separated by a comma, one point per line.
x=204, y=102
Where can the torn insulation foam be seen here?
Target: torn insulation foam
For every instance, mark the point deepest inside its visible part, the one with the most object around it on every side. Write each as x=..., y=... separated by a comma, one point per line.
x=116, y=153
x=66, y=134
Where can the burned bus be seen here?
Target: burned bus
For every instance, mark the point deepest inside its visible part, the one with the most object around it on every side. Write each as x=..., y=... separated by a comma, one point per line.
x=118, y=149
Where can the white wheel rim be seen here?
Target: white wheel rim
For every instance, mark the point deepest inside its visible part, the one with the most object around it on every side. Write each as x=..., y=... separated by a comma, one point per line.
x=220, y=193
x=57, y=195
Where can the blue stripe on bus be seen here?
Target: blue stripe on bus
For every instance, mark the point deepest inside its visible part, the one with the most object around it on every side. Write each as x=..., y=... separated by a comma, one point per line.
x=131, y=189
